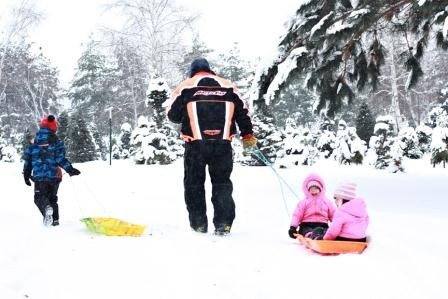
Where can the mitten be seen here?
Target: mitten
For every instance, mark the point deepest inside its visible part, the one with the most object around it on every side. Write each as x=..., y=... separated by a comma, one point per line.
x=292, y=231
x=27, y=179
x=73, y=171
x=249, y=142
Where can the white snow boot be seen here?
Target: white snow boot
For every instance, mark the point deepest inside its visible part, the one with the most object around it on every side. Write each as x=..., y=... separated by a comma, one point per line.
x=48, y=217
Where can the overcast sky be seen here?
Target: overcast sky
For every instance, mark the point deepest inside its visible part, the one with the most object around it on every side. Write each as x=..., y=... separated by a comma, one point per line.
x=255, y=24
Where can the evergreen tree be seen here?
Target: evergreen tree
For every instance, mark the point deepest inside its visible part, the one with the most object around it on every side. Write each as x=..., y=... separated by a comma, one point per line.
x=80, y=145
x=339, y=41
x=349, y=147
x=101, y=149
x=124, y=149
x=64, y=121
x=151, y=146
x=409, y=144
x=294, y=102
x=424, y=134
x=198, y=49
x=381, y=144
x=231, y=66
x=270, y=139
x=439, y=146
x=158, y=92
x=365, y=123
x=298, y=148
x=325, y=138
x=91, y=91
x=438, y=117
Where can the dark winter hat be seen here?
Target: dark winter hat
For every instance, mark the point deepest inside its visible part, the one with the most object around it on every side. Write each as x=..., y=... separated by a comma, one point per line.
x=198, y=65
x=49, y=122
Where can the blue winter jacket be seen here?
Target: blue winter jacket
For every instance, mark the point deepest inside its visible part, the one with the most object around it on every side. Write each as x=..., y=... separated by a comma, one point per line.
x=43, y=157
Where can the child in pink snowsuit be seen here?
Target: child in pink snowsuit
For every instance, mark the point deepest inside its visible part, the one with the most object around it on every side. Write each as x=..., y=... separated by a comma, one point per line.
x=350, y=220
x=312, y=213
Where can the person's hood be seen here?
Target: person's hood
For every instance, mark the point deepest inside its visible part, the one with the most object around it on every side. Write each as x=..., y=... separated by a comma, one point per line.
x=308, y=179
x=355, y=207
x=45, y=136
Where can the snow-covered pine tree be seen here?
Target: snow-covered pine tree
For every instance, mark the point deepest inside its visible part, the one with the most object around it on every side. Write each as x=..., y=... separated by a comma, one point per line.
x=338, y=41
x=294, y=102
x=298, y=146
x=299, y=149
x=92, y=89
x=64, y=121
x=79, y=141
x=231, y=66
x=151, y=146
x=424, y=134
x=122, y=148
x=365, y=123
x=197, y=49
x=342, y=152
x=409, y=144
x=348, y=145
x=438, y=117
x=325, y=138
x=380, y=144
x=270, y=139
x=358, y=146
x=439, y=146
x=158, y=92
x=101, y=148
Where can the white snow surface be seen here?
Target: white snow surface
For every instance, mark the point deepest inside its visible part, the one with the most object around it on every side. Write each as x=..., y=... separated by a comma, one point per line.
x=406, y=258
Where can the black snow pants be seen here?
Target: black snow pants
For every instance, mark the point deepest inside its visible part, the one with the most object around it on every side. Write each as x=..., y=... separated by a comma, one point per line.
x=46, y=193
x=217, y=155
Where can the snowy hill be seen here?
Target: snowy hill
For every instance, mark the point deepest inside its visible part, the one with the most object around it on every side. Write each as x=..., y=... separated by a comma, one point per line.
x=407, y=257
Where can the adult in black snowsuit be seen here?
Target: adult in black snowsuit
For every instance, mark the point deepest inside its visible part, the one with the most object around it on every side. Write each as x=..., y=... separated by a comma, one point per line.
x=43, y=159
x=208, y=106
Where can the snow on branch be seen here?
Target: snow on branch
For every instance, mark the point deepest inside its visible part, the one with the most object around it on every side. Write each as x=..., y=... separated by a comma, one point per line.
x=284, y=70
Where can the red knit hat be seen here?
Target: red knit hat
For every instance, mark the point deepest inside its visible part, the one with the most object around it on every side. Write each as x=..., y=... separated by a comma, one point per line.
x=49, y=122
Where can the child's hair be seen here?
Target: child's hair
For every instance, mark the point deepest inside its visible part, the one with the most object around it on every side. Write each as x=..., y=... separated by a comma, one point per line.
x=346, y=191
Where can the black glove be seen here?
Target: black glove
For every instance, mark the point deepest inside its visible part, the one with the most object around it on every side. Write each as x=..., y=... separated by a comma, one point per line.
x=27, y=179
x=73, y=171
x=292, y=230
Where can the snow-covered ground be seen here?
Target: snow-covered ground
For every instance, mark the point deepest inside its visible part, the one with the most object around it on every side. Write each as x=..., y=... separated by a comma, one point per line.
x=407, y=257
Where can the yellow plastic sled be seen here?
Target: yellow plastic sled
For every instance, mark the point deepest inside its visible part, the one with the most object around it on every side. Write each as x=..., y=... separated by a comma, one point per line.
x=113, y=227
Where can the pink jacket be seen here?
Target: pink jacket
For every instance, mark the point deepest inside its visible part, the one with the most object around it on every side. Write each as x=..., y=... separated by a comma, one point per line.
x=350, y=221
x=313, y=209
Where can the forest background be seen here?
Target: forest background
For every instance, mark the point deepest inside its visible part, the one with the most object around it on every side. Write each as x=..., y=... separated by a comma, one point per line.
x=346, y=80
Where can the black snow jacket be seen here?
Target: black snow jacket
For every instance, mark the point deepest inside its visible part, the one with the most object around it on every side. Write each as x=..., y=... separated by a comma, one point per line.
x=208, y=107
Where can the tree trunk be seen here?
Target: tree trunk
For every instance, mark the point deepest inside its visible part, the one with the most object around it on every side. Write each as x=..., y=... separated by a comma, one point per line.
x=395, y=108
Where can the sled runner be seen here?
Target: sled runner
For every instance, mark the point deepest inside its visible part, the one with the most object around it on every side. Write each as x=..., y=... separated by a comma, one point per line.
x=113, y=227
x=332, y=247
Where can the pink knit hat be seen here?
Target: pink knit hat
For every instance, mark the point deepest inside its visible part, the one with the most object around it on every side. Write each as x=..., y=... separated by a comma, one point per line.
x=346, y=190
x=314, y=183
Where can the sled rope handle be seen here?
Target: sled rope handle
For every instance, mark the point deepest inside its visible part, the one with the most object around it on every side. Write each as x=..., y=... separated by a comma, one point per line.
x=81, y=211
x=257, y=153
x=92, y=196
